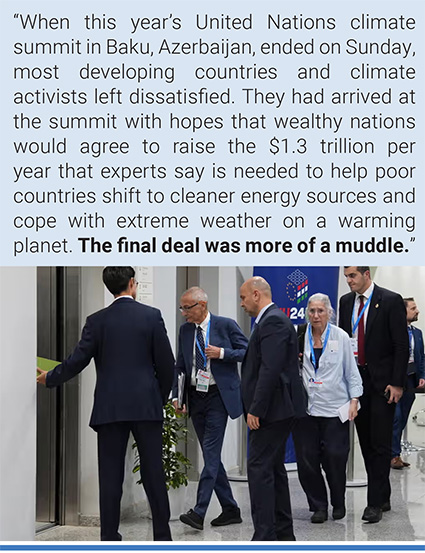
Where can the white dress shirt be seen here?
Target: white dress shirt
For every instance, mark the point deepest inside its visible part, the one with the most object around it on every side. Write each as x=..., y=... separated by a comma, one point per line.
x=204, y=326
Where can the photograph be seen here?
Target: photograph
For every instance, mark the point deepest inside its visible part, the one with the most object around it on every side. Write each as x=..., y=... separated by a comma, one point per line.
x=213, y=403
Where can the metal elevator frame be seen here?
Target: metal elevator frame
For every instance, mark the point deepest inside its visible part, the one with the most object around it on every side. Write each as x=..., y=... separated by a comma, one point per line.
x=58, y=330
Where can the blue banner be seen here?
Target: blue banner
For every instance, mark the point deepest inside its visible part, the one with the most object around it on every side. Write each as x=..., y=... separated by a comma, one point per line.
x=291, y=288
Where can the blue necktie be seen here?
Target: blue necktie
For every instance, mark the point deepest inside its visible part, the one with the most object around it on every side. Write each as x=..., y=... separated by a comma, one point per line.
x=200, y=363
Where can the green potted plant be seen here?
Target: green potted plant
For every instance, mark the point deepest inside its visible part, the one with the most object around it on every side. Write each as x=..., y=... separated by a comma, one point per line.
x=174, y=462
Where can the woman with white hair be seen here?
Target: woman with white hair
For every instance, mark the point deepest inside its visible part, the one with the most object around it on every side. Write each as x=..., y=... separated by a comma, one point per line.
x=332, y=380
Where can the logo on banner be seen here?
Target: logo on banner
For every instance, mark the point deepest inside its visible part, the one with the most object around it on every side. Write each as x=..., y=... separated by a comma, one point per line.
x=297, y=293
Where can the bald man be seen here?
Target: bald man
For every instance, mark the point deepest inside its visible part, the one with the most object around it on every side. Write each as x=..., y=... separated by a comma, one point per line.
x=272, y=396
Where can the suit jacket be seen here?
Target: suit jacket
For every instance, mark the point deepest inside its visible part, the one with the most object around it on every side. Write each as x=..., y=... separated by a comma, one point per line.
x=134, y=362
x=386, y=337
x=271, y=384
x=418, y=353
x=224, y=333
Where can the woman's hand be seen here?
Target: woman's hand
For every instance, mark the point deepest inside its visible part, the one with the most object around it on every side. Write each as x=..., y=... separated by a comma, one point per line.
x=352, y=411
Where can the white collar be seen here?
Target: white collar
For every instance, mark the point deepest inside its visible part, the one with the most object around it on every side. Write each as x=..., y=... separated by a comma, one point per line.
x=324, y=332
x=204, y=324
x=261, y=313
x=367, y=293
x=126, y=296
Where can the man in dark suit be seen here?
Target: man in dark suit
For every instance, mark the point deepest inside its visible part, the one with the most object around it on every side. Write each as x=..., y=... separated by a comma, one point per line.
x=375, y=318
x=415, y=379
x=209, y=349
x=272, y=394
x=134, y=366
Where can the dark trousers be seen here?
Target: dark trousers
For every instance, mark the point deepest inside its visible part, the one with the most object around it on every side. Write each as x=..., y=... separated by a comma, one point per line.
x=112, y=442
x=268, y=481
x=322, y=442
x=209, y=417
x=401, y=416
x=374, y=424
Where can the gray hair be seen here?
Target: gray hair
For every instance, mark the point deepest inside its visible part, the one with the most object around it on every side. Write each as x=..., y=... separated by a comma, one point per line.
x=323, y=298
x=196, y=293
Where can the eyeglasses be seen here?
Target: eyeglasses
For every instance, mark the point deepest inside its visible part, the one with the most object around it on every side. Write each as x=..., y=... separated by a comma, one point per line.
x=187, y=307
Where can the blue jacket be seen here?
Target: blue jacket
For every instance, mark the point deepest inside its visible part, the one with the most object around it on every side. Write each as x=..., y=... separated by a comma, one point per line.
x=272, y=388
x=418, y=353
x=134, y=363
x=226, y=334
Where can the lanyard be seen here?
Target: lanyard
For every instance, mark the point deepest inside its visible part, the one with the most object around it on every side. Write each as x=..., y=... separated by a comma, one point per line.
x=310, y=337
x=356, y=324
x=198, y=345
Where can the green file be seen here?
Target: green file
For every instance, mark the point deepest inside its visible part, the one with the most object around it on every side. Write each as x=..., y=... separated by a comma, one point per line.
x=46, y=364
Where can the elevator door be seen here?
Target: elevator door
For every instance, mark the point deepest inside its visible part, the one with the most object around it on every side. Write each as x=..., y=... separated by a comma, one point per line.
x=58, y=328
x=47, y=404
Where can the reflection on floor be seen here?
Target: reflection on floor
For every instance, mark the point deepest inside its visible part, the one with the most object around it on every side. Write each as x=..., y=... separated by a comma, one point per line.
x=405, y=521
x=39, y=526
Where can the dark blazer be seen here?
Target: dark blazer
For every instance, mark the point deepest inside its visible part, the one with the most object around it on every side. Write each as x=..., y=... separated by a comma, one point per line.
x=386, y=338
x=271, y=385
x=134, y=362
x=224, y=333
x=418, y=353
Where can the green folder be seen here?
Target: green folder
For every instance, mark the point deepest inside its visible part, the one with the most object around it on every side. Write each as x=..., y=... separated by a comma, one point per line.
x=46, y=364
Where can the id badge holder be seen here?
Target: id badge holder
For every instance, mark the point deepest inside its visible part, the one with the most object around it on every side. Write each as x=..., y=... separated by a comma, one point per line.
x=311, y=383
x=202, y=381
x=354, y=347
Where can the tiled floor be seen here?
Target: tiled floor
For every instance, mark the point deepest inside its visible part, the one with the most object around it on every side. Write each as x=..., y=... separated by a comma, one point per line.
x=405, y=522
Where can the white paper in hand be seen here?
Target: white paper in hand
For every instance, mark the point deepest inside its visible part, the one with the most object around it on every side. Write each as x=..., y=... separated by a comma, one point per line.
x=344, y=410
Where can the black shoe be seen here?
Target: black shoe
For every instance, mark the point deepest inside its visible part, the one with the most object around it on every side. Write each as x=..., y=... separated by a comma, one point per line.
x=228, y=517
x=290, y=537
x=318, y=517
x=372, y=514
x=338, y=513
x=386, y=506
x=193, y=519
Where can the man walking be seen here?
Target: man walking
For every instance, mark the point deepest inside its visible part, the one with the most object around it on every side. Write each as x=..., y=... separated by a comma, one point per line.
x=375, y=319
x=134, y=366
x=415, y=379
x=271, y=393
x=209, y=349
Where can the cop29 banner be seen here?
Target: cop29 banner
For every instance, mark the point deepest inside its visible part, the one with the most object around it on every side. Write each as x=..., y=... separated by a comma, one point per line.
x=292, y=286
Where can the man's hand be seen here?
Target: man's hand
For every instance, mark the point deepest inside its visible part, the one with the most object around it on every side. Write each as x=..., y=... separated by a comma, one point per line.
x=421, y=383
x=253, y=422
x=395, y=393
x=41, y=378
x=179, y=411
x=212, y=352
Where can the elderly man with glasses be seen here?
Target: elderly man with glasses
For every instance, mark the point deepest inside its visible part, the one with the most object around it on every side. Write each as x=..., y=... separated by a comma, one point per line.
x=209, y=349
